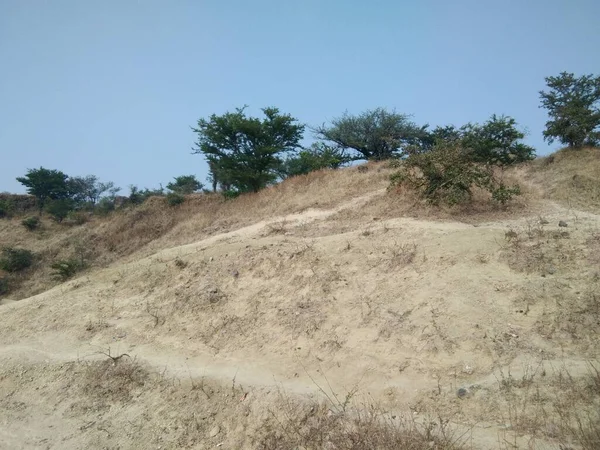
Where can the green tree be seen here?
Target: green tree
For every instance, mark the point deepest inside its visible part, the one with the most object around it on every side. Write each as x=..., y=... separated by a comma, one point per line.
x=497, y=141
x=245, y=152
x=185, y=184
x=45, y=184
x=318, y=156
x=60, y=208
x=573, y=105
x=89, y=190
x=375, y=134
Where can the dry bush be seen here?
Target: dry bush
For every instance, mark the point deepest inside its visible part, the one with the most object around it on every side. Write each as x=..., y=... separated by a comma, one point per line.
x=571, y=316
x=536, y=249
x=316, y=426
x=593, y=245
x=278, y=227
x=402, y=254
x=553, y=404
x=113, y=379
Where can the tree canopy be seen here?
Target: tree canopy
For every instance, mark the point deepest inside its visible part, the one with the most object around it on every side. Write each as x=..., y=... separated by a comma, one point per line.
x=316, y=157
x=245, y=152
x=45, y=184
x=185, y=184
x=374, y=134
x=573, y=104
x=89, y=189
x=497, y=141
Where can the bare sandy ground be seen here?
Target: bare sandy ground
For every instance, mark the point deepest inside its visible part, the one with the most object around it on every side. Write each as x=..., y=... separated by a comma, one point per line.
x=400, y=312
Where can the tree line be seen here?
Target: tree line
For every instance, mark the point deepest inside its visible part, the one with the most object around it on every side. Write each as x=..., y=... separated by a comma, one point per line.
x=247, y=154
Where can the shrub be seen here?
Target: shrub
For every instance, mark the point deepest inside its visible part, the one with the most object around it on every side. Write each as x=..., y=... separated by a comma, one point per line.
x=185, y=184
x=76, y=218
x=4, y=286
x=59, y=209
x=15, y=259
x=138, y=196
x=231, y=194
x=105, y=206
x=174, y=199
x=66, y=268
x=31, y=223
x=447, y=174
x=316, y=157
x=6, y=208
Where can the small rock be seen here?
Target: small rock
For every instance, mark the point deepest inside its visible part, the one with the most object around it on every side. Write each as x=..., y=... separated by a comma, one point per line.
x=551, y=270
x=462, y=392
x=563, y=224
x=214, y=431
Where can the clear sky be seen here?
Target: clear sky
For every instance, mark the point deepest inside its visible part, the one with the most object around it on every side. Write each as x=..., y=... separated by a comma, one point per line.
x=111, y=87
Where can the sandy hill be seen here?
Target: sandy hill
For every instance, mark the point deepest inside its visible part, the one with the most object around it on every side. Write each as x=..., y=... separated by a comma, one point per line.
x=325, y=312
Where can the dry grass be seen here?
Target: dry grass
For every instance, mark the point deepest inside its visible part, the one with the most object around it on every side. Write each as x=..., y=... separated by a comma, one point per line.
x=571, y=177
x=113, y=380
x=535, y=248
x=552, y=404
x=153, y=226
x=317, y=426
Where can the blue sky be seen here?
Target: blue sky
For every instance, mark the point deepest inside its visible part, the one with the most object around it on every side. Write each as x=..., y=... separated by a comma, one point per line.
x=112, y=87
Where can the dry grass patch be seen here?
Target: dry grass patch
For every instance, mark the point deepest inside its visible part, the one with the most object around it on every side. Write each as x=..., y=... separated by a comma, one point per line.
x=553, y=404
x=534, y=248
x=571, y=177
x=317, y=426
x=113, y=379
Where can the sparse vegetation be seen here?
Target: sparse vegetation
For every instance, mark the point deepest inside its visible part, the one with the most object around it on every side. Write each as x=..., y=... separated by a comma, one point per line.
x=113, y=379
x=424, y=303
x=316, y=426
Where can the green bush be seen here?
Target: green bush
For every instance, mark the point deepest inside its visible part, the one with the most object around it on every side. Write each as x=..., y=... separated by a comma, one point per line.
x=66, y=268
x=318, y=156
x=138, y=196
x=105, y=206
x=503, y=194
x=4, y=286
x=231, y=194
x=31, y=223
x=448, y=173
x=15, y=259
x=59, y=209
x=6, y=208
x=76, y=218
x=174, y=199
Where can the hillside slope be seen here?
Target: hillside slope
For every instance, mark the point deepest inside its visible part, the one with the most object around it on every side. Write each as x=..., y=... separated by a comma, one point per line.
x=232, y=321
